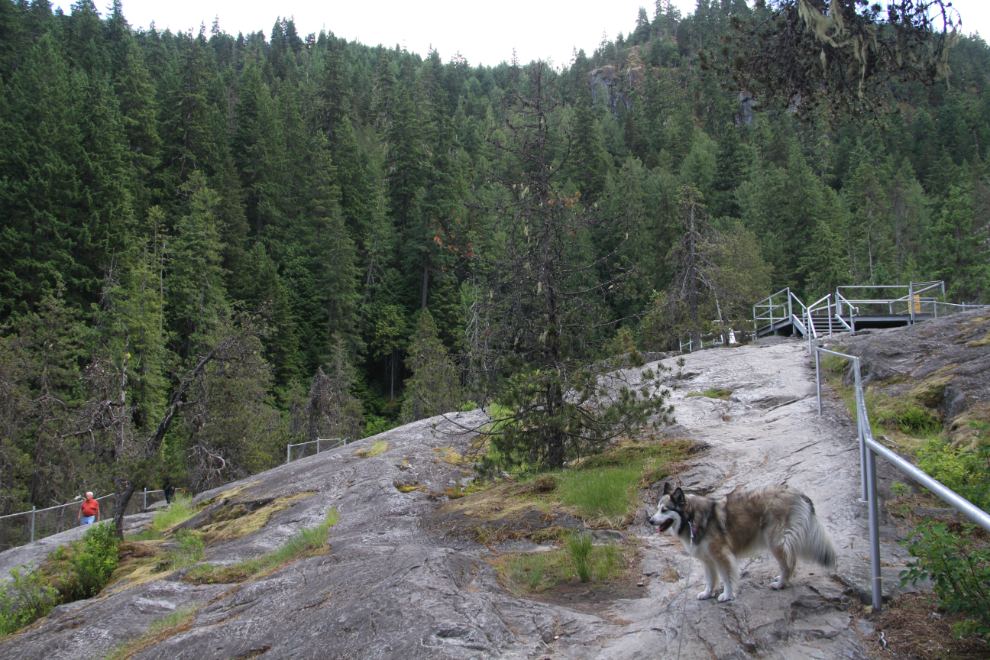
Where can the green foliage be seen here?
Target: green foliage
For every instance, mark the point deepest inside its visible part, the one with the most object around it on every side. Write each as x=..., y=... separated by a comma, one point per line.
x=579, y=546
x=179, y=510
x=542, y=571
x=97, y=559
x=190, y=548
x=959, y=569
x=160, y=188
x=600, y=492
x=712, y=393
x=965, y=471
x=25, y=598
x=435, y=387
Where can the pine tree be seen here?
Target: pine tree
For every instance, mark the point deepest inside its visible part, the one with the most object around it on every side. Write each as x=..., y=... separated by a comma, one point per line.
x=332, y=410
x=434, y=387
x=197, y=296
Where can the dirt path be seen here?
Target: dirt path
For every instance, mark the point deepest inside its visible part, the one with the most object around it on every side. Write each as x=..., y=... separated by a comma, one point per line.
x=767, y=433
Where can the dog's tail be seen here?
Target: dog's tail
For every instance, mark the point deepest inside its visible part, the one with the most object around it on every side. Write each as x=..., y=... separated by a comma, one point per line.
x=817, y=544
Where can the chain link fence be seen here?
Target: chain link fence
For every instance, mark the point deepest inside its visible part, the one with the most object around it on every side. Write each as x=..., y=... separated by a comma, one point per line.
x=311, y=448
x=18, y=529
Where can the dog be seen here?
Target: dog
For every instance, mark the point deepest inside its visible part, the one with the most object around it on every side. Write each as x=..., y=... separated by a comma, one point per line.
x=717, y=532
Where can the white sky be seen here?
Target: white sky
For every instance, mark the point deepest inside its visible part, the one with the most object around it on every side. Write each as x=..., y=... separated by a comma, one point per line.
x=483, y=32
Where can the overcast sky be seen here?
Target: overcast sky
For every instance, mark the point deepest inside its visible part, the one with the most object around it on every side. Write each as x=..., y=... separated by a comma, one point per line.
x=483, y=32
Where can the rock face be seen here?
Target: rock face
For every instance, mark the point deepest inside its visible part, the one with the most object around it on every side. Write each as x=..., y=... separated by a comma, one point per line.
x=391, y=587
x=943, y=364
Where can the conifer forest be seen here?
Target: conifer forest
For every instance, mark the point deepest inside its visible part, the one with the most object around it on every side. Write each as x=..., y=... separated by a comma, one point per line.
x=212, y=245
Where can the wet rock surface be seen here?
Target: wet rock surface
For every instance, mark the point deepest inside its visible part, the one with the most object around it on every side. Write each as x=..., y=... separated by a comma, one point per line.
x=392, y=586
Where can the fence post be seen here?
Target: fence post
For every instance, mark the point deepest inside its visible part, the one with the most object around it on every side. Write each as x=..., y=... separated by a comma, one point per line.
x=288, y=449
x=32, y=522
x=145, y=497
x=318, y=445
x=871, y=476
x=818, y=379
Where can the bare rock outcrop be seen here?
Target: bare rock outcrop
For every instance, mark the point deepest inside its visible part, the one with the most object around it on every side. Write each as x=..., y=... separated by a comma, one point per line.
x=394, y=586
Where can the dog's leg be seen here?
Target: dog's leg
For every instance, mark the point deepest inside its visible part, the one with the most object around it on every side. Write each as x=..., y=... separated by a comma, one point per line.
x=784, y=555
x=728, y=570
x=711, y=581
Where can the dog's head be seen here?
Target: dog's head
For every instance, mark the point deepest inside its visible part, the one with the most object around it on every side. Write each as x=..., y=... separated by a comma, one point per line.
x=670, y=509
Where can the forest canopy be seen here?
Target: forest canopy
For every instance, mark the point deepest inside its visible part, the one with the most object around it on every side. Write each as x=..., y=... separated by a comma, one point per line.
x=212, y=245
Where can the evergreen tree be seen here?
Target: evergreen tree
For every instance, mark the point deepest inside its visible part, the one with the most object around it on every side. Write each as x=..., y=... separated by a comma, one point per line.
x=435, y=386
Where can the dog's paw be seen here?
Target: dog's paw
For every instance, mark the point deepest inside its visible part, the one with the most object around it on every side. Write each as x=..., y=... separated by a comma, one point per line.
x=778, y=584
x=705, y=595
x=724, y=597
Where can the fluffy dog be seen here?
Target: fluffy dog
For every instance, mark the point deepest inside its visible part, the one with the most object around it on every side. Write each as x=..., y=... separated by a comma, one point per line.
x=717, y=532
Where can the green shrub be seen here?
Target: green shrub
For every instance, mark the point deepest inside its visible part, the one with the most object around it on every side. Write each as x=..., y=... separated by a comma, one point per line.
x=918, y=421
x=966, y=472
x=959, y=571
x=24, y=599
x=97, y=559
x=579, y=546
x=190, y=548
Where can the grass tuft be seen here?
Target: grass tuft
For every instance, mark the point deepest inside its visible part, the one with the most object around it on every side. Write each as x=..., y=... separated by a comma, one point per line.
x=712, y=393
x=309, y=541
x=377, y=447
x=179, y=511
x=172, y=624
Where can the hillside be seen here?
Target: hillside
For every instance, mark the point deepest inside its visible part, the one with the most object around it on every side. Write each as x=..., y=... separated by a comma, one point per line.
x=310, y=196
x=398, y=581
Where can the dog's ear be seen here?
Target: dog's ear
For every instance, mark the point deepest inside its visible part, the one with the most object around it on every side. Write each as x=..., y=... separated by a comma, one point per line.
x=667, y=488
x=677, y=497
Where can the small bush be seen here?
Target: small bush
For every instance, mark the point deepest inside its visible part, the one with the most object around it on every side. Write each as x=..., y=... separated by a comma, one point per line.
x=918, y=421
x=960, y=572
x=97, y=560
x=190, y=548
x=24, y=599
x=579, y=547
x=966, y=472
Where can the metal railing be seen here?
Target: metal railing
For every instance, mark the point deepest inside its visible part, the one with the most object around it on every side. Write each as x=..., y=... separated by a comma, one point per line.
x=868, y=449
x=778, y=307
x=319, y=442
x=18, y=529
x=714, y=338
x=910, y=304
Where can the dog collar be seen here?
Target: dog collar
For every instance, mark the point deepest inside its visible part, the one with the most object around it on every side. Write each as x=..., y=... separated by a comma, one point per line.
x=693, y=529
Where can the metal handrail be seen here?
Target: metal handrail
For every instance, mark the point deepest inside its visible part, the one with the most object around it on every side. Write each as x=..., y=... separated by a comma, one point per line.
x=868, y=448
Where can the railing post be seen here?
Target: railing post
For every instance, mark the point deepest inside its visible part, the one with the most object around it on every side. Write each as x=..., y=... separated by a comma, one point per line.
x=318, y=445
x=829, y=318
x=33, y=507
x=818, y=380
x=871, y=474
x=288, y=449
x=145, y=498
x=911, y=300
x=860, y=414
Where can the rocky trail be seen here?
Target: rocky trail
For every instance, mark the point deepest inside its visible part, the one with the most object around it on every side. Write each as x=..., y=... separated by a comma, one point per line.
x=391, y=588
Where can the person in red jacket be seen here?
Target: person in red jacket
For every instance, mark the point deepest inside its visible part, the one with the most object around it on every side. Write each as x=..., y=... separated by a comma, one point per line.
x=89, y=512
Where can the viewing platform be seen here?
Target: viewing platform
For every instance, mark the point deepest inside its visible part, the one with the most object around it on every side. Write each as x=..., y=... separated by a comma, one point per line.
x=852, y=308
